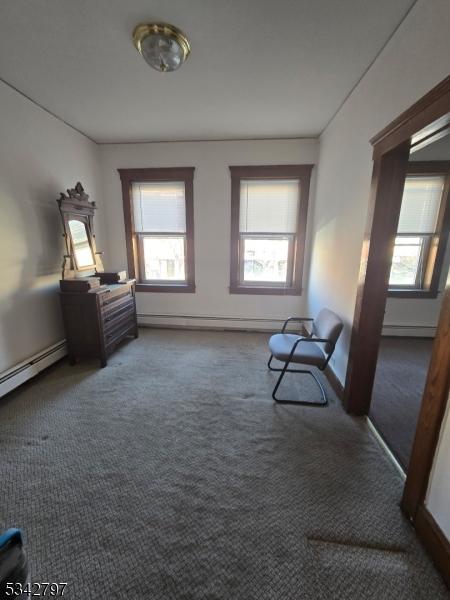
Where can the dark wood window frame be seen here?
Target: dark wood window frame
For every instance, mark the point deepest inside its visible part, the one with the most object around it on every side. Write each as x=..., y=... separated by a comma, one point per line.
x=433, y=260
x=297, y=248
x=128, y=177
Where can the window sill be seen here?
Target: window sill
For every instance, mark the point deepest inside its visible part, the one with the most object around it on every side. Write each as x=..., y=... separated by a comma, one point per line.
x=184, y=288
x=397, y=293
x=267, y=291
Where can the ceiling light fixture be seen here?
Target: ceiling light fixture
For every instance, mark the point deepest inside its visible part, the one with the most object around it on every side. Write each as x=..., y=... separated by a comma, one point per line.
x=164, y=47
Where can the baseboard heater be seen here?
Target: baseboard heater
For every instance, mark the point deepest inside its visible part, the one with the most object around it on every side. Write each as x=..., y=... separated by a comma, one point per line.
x=30, y=367
x=210, y=322
x=409, y=330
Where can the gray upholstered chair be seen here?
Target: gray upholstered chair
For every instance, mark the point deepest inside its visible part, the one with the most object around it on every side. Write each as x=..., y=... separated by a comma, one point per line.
x=315, y=349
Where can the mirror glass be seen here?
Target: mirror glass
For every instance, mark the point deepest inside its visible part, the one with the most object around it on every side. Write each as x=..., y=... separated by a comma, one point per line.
x=80, y=242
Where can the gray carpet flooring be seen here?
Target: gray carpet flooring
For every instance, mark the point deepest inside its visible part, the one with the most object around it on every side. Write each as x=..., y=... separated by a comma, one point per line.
x=171, y=474
x=398, y=389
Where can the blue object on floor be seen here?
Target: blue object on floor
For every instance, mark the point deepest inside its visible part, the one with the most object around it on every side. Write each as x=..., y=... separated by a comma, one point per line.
x=13, y=562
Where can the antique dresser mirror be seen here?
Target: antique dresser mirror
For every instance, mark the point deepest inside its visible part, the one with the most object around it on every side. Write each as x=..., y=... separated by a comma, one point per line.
x=77, y=212
x=98, y=307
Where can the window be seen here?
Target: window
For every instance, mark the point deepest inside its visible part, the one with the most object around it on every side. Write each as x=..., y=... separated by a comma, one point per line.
x=422, y=233
x=269, y=206
x=159, y=227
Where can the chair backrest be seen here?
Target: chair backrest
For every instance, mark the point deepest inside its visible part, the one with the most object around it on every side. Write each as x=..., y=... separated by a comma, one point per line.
x=327, y=325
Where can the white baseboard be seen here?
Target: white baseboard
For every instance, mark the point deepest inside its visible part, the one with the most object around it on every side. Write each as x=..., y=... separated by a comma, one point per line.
x=210, y=322
x=427, y=331
x=30, y=367
x=385, y=448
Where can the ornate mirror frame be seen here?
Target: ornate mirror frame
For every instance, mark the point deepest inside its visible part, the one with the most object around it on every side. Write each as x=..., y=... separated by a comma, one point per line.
x=76, y=206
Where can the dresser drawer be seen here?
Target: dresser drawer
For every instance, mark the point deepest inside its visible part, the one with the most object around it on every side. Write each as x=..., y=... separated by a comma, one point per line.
x=114, y=335
x=116, y=297
x=116, y=310
x=113, y=323
x=96, y=321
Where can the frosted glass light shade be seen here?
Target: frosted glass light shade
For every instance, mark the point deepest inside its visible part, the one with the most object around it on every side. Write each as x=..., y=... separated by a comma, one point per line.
x=163, y=46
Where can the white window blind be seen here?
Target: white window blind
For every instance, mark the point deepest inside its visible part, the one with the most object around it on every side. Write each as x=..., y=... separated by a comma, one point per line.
x=159, y=207
x=420, y=204
x=269, y=206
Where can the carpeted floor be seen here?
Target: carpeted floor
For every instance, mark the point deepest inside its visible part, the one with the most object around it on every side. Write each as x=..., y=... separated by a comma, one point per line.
x=398, y=388
x=171, y=474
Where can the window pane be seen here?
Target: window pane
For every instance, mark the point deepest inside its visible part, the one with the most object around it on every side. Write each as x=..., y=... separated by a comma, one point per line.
x=266, y=259
x=80, y=242
x=420, y=204
x=406, y=261
x=164, y=258
x=159, y=206
x=269, y=206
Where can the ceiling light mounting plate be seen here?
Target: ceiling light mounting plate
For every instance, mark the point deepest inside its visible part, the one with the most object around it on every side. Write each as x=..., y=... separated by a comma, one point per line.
x=163, y=46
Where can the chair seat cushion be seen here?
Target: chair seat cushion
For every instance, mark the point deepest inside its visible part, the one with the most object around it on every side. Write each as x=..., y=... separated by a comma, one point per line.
x=308, y=353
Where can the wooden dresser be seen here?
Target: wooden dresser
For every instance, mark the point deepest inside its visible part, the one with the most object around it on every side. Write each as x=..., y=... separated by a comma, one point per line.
x=96, y=321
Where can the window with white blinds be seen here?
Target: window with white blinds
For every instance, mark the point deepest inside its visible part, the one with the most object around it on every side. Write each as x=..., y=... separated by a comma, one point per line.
x=159, y=226
x=416, y=242
x=269, y=210
x=269, y=206
x=159, y=207
x=420, y=204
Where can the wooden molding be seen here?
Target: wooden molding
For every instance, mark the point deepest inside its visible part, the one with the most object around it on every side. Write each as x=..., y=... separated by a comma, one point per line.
x=384, y=211
x=431, y=107
x=297, y=252
x=429, y=167
x=431, y=414
x=391, y=162
x=127, y=177
x=435, y=542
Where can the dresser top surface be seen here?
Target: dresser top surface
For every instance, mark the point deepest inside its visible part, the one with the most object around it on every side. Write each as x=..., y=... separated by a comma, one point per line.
x=105, y=288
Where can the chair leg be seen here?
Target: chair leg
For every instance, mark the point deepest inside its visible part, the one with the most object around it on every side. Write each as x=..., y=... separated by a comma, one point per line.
x=285, y=370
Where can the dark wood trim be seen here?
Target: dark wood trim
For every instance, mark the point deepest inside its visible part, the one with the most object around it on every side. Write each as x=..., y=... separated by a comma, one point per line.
x=130, y=237
x=435, y=542
x=128, y=176
x=167, y=289
x=334, y=382
x=431, y=415
x=384, y=211
x=429, y=167
x=303, y=174
x=157, y=174
x=255, y=290
x=391, y=146
x=412, y=294
x=272, y=171
x=430, y=108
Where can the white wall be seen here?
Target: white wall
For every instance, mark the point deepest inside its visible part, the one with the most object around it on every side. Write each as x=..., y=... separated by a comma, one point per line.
x=39, y=157
x=414, y=61
x=415, y=317
x=438, y=494
x=212, y=191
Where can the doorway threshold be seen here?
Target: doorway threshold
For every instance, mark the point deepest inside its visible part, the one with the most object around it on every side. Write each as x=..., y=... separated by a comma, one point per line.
x=386, y=448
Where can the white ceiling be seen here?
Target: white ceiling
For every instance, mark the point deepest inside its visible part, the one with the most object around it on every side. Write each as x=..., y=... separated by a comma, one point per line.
x=258, y=68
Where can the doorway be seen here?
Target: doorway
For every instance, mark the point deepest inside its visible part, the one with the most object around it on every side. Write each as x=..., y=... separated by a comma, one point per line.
x=417, y=279
x=426, y=122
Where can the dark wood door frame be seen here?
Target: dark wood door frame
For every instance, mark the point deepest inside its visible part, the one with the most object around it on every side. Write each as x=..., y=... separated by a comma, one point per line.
x=425, y=118
x=430, y=421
